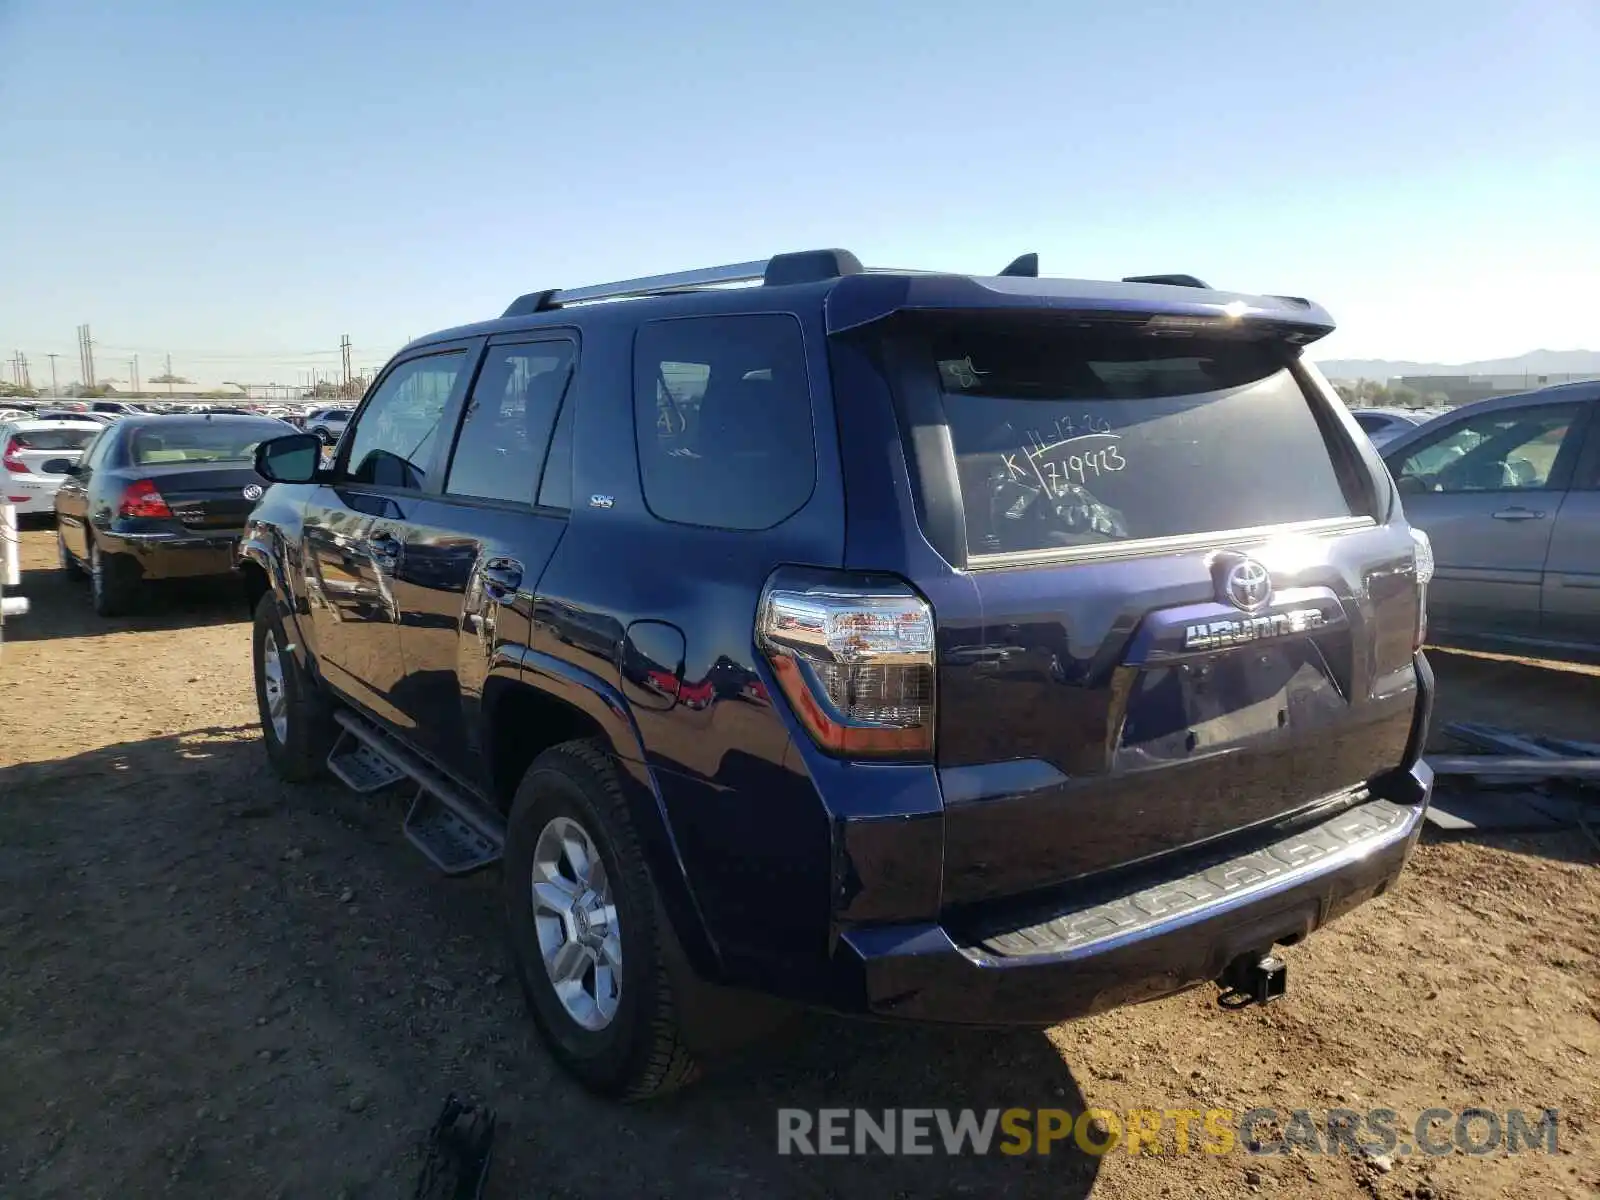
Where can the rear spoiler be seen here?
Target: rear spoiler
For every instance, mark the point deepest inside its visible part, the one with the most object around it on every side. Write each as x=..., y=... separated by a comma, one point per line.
x=865, y=299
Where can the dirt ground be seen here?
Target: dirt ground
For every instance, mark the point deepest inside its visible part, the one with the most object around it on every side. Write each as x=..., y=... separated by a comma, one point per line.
x=214, y=985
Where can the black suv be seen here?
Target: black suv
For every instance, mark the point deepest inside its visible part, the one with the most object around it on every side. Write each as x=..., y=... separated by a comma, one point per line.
x=990, y=650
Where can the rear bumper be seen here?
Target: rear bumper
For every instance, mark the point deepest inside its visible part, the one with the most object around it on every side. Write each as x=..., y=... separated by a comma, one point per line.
x=1140, y=945
x=164, y=554
x=28, y=495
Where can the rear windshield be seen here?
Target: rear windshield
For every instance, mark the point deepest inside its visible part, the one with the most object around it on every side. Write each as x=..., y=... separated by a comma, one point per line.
x=201, y=441
x=53, y=439
x=1082, y=438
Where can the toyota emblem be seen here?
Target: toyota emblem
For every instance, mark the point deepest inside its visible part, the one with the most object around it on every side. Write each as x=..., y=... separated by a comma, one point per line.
x=252, y=491
x=1247, y=585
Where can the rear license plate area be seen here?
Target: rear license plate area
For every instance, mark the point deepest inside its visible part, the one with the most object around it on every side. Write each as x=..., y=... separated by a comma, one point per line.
x=1230, y=699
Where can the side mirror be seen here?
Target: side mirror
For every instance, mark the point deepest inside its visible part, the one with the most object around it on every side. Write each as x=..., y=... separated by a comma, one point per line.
x=58, y=466
x=293, y=458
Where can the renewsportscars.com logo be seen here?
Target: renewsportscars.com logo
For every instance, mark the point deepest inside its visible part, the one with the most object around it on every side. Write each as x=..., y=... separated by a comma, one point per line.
x=1098, y=1131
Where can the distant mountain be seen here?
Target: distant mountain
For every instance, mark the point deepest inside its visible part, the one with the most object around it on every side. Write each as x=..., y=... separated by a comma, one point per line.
x=1535, y=362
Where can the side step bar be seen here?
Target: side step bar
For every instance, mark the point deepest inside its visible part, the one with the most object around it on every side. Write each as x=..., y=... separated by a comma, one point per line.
x=454, y=831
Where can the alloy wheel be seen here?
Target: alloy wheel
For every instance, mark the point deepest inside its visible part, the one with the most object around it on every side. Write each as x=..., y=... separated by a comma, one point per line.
x=575, y=915
x=272, y=686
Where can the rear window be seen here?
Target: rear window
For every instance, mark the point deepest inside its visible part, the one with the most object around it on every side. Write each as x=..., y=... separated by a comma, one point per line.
x=1083, y=438
x=53, y=439
x=201, y=441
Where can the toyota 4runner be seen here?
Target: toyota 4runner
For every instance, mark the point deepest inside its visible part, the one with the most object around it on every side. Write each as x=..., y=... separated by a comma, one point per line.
x=986, y=650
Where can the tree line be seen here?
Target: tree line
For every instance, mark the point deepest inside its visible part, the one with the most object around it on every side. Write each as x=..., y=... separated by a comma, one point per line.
x=1372, y=393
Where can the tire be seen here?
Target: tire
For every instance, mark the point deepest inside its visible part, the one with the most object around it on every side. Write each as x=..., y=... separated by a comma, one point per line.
x=639, y=1051
x=70, y=566
x=298, y=745
x=112, y=583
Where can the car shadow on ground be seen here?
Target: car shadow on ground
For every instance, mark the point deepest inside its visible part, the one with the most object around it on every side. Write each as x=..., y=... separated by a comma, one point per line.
x=59, y=607
x=288, y=992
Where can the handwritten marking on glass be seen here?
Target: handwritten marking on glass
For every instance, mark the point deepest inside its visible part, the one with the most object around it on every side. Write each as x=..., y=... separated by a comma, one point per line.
x=1065, y=462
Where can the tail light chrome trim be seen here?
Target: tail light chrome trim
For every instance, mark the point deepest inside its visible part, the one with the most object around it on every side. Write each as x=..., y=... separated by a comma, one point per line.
x=857, y=661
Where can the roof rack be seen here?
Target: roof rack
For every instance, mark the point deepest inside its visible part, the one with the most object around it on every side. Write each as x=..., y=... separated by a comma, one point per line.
x=804, y=266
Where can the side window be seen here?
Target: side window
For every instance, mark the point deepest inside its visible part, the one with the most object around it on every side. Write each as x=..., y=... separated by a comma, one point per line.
x=722, y=417
x=393, y=442
x=506, y=429
x=555, y=487
x=95, y=452
x=1509, y=450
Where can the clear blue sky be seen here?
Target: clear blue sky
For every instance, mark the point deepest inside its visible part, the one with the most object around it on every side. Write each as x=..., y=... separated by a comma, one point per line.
x=242, y=183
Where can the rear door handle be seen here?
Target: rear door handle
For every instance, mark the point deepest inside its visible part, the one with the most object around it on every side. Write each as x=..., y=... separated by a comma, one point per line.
x=1518, y=513
x=501, y=579
x=384, y=546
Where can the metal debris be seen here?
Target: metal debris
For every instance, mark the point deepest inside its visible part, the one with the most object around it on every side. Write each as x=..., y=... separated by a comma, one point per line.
x=1552, y=781
x=455, y=1164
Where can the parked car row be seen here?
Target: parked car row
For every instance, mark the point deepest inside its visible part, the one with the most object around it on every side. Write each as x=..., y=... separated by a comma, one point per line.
x=328, y=418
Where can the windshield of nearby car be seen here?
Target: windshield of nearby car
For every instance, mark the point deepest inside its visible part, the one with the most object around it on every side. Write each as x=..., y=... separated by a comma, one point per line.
x=66, y=438
x=200, y=441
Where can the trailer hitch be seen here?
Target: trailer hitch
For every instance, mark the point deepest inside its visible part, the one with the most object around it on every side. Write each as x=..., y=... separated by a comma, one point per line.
x=1256, y=978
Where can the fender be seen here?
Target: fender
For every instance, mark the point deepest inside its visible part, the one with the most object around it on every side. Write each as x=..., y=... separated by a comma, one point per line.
x=261, y=546
x=604, y=704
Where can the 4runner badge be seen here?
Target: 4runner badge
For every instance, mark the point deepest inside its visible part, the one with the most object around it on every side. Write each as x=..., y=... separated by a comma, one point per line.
x=1214, y=635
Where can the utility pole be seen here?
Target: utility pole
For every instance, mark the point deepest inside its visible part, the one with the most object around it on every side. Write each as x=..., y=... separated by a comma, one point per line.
x=86, y=355
x=169, y=375
x=136, y=387
x=54, y=391
x=344, y=353
x=22, y=362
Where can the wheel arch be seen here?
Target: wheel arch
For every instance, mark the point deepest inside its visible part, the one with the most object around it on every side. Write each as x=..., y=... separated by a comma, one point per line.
x=551, y=702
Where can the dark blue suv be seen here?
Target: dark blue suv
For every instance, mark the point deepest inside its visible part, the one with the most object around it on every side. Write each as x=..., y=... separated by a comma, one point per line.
x=988, y=650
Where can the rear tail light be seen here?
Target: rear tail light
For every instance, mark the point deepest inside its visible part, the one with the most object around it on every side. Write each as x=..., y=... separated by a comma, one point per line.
x=10, y=460
x=1422, y=555
x=141, y=499
x=856, y=662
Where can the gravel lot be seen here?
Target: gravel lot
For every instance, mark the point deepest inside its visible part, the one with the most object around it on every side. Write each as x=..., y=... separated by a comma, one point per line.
x=213, y=985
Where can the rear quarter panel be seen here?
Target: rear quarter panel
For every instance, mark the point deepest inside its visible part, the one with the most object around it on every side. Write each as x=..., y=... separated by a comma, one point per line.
x=742, y=824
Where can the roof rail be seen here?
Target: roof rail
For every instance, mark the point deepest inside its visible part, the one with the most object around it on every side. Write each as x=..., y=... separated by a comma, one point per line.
x=1170, y=280
x=804, y=266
